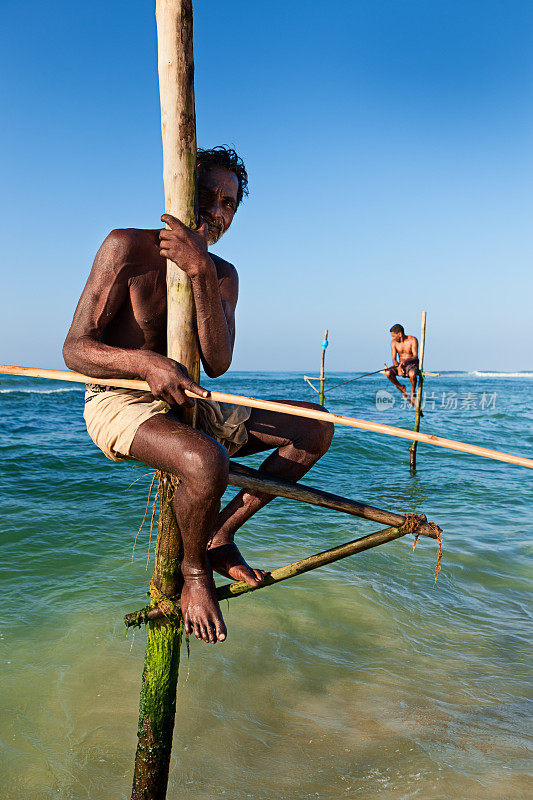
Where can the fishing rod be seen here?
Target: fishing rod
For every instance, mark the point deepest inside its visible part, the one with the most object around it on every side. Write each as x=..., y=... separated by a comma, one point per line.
x=280, y=408
x=365, y=375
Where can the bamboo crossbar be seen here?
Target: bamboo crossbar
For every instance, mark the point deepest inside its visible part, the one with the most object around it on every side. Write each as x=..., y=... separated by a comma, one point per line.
x=256, y=481
x=282, y=408
x=229, y=590
x=313, y=562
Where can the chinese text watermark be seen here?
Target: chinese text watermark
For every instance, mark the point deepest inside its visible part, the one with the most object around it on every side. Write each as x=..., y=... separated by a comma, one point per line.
x=443, y=401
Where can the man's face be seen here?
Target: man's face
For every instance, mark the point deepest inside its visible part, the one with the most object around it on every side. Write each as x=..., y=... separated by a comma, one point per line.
x=217, y=199
x=396, y=337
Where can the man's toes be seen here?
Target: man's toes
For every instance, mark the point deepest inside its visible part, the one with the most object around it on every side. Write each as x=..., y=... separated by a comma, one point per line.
x=249, y=576
x=211, y=633
x=197, y=631
x=204, y=633
x=260, y=574
x=221, y=631
x=187, y=624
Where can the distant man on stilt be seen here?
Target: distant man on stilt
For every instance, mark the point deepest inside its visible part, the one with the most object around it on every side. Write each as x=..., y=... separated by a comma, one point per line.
x=119, y=331
x=404, y=350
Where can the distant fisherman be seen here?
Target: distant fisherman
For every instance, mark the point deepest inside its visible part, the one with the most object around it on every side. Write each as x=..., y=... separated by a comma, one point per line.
x=404, y=351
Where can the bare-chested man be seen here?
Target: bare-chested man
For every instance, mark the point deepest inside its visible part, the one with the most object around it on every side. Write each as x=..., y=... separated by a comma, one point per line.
x=119, y=330
x=404, y=350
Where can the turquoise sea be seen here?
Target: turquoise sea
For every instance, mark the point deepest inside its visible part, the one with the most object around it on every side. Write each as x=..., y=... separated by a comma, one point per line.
x=364, y=679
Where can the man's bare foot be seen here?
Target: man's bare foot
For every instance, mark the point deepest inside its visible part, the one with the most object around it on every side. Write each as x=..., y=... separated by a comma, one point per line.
x=201, y=612
x=226, y=559
x=412, y=400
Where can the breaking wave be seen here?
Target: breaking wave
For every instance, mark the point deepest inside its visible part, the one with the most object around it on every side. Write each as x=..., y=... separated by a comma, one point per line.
x=21, y=390
x=482, y=374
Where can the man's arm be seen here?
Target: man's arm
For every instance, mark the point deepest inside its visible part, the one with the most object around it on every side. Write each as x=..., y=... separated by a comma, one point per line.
x=216, y=331
x=394, y=354
x=104, y=294
x=215, y=296
x=415, y=347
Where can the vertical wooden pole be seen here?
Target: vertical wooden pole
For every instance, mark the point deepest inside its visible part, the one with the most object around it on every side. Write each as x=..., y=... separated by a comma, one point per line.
x=418, y=407
x=178, y=127
x=322, y=397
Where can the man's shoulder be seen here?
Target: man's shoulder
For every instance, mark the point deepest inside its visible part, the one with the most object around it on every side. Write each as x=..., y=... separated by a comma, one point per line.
x=131, y=239
x=125, y=249
x=411, y=338
x=224, y=268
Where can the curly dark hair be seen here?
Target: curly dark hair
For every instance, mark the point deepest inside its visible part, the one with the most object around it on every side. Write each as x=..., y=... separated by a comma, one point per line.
x=224, y=156
x=397, y=329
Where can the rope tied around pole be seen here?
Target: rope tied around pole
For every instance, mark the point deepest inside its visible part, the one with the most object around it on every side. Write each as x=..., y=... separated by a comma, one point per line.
x=438, y=533
x=172, y=479
x=158, y=476
x=170, y=606
x=412, y=524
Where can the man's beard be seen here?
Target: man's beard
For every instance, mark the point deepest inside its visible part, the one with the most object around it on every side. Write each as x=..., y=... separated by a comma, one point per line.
x=215, y=229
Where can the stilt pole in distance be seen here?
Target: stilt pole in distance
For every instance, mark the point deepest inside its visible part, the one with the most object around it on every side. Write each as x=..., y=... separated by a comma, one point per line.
x=322, y=398
x=178, y=127
x=418, y=407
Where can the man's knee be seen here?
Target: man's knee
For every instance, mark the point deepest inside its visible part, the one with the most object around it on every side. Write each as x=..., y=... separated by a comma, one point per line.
x=207, y=468
x=318, y=433
x=324, y=435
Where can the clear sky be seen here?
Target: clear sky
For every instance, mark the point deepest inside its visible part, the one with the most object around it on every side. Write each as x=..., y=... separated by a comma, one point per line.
x=390, y=153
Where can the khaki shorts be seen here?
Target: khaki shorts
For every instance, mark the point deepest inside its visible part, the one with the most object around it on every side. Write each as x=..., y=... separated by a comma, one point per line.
x=113, y=417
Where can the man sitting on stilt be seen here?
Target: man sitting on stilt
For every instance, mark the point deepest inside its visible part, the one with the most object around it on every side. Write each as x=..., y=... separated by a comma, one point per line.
x=119, y=331
x=404, y=351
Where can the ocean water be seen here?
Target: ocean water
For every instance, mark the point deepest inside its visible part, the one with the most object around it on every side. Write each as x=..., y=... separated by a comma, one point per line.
x=363, y=679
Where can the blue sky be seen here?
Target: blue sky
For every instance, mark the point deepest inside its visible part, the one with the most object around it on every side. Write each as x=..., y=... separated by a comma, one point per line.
x=390, y=153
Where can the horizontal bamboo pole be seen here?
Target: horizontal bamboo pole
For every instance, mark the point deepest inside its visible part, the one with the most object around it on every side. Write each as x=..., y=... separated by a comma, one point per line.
x=228, y=590
x=256, y=481
x=282, y=408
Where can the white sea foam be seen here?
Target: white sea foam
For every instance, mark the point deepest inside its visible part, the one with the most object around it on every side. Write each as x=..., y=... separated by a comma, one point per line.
x=26, y=390
x=482, y=374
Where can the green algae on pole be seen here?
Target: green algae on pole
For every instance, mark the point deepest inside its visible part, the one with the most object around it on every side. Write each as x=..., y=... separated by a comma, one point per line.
x=418, y=407
x=178, y=128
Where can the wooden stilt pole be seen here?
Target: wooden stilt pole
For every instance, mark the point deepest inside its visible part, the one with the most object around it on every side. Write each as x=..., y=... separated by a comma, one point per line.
x=178, y=127
x=322, y=398
x=418, y=407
